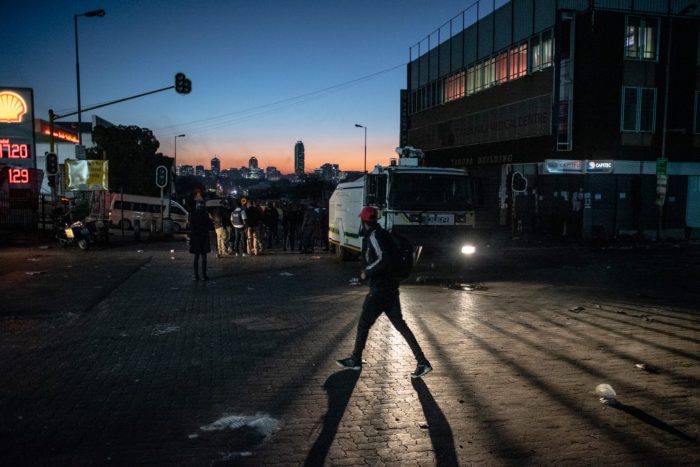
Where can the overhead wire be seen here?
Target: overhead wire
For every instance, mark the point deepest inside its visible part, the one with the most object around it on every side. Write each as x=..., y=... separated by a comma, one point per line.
x=233, y=118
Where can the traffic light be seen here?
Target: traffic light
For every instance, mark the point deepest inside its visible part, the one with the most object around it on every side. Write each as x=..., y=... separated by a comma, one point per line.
x=519, y=183
x=182, y=84
x=51, y=163
x=161, y=176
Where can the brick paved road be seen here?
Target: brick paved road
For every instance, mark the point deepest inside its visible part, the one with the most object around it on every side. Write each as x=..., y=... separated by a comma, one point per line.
x=141, y=365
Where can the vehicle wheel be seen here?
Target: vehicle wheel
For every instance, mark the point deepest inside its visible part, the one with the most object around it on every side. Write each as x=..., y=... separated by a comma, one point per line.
x=332, y=247
x=63, y=242
x=83, y=244
x=124, y=224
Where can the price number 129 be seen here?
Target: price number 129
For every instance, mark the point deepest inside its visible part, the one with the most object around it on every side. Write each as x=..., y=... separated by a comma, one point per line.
x=19, y=175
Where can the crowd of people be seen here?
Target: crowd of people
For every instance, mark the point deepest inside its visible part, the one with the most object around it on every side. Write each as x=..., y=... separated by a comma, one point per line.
x=251, y=228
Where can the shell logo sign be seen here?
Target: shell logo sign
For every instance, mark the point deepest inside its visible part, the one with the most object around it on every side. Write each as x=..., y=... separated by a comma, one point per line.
x=12, y=107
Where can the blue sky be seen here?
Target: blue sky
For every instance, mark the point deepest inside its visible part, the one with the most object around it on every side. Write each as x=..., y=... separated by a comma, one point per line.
x=264, y=73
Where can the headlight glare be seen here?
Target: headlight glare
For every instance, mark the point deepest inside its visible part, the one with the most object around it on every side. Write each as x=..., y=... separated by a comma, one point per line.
x=468, y=249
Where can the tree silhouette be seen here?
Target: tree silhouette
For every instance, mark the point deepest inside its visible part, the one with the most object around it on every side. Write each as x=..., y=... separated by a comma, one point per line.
x=131, y=152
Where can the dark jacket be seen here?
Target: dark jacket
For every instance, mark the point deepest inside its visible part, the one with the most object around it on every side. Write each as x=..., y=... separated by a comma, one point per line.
x=252, y=216
x=377, y=257
x=199, y=232
x=217, y=216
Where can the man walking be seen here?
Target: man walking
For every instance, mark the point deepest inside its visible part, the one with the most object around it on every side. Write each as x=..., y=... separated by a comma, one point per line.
x=383, y=297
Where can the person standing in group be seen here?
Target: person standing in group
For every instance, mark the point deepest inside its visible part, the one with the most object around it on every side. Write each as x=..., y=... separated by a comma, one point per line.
x=290, y=226
x=252, y=215
x=238, y=235
x=310, y=227
x=217, y=217
x=199, y=238
x=226, y=209
x=279, y=235
x=378, y=250
x=270, y=219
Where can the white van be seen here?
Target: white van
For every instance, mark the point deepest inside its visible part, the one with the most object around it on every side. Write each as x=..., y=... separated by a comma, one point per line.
x=125, y=209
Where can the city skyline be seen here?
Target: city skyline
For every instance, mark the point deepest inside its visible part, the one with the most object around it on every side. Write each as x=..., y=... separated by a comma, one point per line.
x=259, y=81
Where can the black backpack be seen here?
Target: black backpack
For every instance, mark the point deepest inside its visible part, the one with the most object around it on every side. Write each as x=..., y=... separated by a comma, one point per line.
x=402, y=257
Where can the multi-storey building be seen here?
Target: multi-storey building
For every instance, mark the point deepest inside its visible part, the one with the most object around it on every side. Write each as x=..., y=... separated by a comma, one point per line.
x=185, y=170
x=215, y=166
x=299, y=158
x=575, y=117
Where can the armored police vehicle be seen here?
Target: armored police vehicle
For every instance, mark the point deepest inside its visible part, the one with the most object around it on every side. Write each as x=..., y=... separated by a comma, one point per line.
x=430, y=206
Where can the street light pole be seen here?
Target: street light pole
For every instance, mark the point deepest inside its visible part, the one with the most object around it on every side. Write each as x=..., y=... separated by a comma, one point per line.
x=663, y=179
x=88, y=14
x=174, y=174
x=175, y=152
x=365, y=128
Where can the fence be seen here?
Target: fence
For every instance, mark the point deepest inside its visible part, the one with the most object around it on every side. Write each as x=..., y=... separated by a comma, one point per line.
x=24, y=212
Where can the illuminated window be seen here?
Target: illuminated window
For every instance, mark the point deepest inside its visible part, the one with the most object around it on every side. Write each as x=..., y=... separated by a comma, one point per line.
x=518, y=61
x=638, y=109
x=479, y=76
x=641, y=38
x=470, y=80
x=489, y=72
x=547, y=49
x=502, y=67
x=453, y=87
x=536, y=54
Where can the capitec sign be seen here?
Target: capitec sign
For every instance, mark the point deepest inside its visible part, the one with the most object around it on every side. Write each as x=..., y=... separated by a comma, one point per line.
x=597, y=167
x=565, y=166
x=17, y=149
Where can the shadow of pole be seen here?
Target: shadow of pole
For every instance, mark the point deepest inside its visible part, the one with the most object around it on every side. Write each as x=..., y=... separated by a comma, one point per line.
x=653, y=421
x=339, y=387
x=438, y=427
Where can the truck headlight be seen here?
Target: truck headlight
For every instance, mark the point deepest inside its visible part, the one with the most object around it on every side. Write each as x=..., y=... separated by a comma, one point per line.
x=468, y=249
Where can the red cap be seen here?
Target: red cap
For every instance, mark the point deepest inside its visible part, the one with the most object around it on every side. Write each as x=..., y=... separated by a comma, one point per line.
x=368, y=214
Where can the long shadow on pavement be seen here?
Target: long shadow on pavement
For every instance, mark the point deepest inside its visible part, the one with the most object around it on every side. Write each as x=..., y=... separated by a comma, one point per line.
x=653, y=421
x=438, y=427
x=339, y=387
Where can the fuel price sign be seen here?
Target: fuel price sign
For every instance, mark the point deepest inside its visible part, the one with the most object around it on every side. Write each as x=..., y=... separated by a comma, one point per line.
x=17, y=149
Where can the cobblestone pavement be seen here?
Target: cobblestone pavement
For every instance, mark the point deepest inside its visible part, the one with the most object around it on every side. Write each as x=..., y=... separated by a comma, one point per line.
x=116, y=356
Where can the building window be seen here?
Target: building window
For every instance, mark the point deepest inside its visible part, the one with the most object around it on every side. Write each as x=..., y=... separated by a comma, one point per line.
x=547, y=49
x=638, y=109
x=489, y=72
x=641, y=38
x=502, y=67
x=518, y=61
x=470, y=80
x=453, y=87
x=479, y=76
x=535, y=54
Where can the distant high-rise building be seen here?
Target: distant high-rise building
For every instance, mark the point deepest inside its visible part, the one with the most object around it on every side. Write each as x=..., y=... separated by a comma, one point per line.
x=199, y=170
x=299, y=158
x=185, y=170
x=328, y=171
x=215, y=165
x=253, y=163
